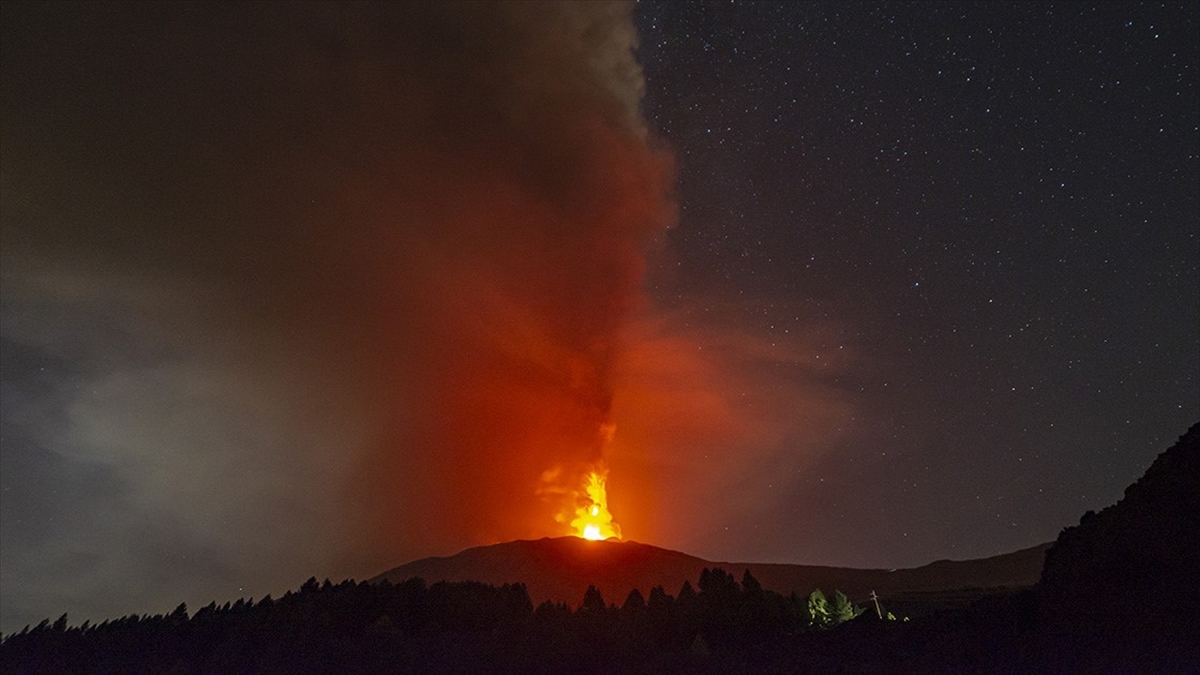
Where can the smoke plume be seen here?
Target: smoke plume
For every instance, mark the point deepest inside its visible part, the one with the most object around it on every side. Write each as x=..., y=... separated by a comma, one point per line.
x=303, y=287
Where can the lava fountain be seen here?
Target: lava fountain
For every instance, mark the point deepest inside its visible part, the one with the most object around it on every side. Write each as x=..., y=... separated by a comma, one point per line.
x=592, y=518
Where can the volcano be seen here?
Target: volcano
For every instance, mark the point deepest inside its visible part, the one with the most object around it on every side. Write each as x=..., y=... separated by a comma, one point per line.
x=560, y=570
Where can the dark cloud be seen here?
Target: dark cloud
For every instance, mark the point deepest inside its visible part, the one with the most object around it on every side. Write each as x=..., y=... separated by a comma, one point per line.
x=338, y=285
x=342, y=282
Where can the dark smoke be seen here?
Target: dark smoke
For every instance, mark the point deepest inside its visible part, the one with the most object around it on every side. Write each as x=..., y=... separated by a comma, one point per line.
x=372, y=258
x=327, y=286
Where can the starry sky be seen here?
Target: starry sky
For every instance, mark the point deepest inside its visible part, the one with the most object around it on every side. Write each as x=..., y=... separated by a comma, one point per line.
x=312, y=290
x=995, y=207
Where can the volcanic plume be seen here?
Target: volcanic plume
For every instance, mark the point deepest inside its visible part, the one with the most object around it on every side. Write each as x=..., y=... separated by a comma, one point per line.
x=378, y=256
x=340, y=285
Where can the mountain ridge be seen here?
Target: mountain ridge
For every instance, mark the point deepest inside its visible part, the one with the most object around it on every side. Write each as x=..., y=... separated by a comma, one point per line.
x=560, y=569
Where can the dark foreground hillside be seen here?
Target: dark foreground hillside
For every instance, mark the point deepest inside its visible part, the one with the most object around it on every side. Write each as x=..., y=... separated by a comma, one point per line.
x=1124, y=580
x=1114, y=598
x=460, y=627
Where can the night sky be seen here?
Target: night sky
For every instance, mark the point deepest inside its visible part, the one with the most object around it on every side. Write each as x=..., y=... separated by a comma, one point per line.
x=315, y=290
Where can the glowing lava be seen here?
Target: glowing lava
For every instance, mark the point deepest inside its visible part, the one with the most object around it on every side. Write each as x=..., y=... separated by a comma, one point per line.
x=592, y=519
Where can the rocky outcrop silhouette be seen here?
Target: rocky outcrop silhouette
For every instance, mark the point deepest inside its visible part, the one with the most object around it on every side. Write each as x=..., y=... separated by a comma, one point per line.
x=1124, y=579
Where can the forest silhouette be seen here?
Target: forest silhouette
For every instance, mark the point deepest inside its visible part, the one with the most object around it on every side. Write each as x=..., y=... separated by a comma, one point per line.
x=444, y=627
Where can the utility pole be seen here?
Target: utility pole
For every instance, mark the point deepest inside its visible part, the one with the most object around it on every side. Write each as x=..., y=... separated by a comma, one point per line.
x=878, y=611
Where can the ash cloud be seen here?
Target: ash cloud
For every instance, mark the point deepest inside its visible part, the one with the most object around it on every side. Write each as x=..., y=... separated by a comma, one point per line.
x=337, y=284
x=313, y=289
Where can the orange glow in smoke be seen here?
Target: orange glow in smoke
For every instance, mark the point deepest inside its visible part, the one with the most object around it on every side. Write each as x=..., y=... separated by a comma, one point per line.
x=592, y=518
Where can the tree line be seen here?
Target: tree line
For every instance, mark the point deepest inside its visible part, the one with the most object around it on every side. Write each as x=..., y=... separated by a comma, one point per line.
x=463, y=627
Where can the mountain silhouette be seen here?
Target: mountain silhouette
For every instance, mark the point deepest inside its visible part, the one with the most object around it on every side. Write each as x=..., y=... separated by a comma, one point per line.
x=560, y=570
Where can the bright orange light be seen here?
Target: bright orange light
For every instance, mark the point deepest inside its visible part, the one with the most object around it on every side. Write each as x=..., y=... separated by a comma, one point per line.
x=592, y=519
